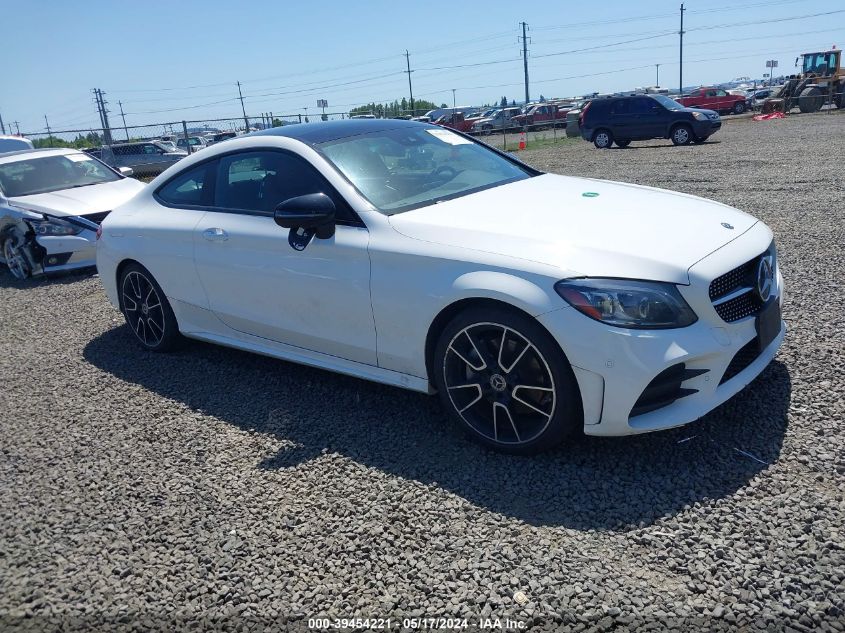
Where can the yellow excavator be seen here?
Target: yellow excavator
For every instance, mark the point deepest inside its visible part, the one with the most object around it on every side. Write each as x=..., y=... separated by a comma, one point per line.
x=821, y=81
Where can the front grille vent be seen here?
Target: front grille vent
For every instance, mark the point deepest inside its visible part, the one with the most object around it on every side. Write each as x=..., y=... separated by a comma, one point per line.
x=665, y=389
x=747, y=354
x=733, y=293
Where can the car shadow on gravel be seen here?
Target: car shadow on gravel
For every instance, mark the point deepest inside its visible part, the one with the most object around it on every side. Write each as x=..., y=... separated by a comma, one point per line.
x=592, y=483
x=7, y=280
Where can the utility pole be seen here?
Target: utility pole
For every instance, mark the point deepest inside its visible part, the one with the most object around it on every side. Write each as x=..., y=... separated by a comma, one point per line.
x=17, y=127
x=104, y=116
x=2, y=126
x=410, y=87
x=453, y=98
x=123, y=116
x=681, y=33
x=99, y=109
x=525, y=57
x=657, y=84
x=49, y=133
x=241, y=96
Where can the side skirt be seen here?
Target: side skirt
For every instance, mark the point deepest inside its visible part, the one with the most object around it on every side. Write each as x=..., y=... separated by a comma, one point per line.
x=316, y=359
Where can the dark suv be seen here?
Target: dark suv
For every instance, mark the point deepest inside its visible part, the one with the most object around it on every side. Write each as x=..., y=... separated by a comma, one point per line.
x=642, y=117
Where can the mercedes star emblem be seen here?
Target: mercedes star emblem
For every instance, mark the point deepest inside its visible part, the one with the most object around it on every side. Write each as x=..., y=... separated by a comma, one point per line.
x=765, y=278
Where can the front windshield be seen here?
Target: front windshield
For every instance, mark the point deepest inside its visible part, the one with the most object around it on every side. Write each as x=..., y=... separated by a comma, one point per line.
x=666, y=102
x=402, y=169
x=30, y=176
x=820, y=63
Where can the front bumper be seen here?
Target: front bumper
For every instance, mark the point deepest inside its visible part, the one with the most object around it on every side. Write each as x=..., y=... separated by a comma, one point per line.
x=614, y=366
x=707, y=128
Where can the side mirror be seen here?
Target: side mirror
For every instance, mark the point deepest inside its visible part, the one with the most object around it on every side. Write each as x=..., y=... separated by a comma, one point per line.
x=314, y=211
x=126, y=171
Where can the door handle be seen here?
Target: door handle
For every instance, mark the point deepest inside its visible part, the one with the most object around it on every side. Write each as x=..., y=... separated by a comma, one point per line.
x=215, y=235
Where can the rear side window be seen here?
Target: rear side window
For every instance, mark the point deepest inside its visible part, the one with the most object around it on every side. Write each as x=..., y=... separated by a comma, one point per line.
x=191, y=188
x=620, y=107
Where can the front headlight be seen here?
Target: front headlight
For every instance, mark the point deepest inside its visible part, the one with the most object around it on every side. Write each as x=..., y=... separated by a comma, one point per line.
x=54, y=226
x=628, y=303
x=700, y=116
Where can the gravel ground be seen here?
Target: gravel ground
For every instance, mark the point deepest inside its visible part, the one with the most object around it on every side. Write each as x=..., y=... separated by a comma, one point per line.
x=212, y=489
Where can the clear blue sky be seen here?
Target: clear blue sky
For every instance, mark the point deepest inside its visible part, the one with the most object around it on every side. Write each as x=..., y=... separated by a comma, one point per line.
x=168, y=61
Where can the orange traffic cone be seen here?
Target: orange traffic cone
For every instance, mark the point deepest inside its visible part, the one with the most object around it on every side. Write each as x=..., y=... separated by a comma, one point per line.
x=522, y=140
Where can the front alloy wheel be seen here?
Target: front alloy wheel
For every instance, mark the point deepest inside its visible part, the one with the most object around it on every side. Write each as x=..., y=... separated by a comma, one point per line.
x=506, y=381
x=146, y=310
x=15, y=258
x=681, y=135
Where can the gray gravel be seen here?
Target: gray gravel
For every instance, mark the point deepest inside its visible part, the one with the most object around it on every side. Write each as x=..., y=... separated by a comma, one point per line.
x=212, y=489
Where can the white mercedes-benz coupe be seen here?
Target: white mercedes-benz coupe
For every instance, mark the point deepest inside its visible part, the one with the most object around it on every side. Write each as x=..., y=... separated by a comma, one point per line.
x=535, y=305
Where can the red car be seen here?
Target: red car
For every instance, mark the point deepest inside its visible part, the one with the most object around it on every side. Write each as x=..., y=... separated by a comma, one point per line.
x=714, y=99
x=540, y=115
x=456, y=121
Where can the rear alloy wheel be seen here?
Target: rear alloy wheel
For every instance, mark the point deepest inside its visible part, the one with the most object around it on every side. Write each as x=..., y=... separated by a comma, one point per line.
x=506, y=382
x=16, y=259
x=739, y=107
x=682, y=135
x=147, y=311
x=623, y=142
x=603, y=139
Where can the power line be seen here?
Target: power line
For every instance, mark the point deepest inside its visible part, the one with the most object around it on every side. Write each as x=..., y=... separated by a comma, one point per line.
x=770, y=21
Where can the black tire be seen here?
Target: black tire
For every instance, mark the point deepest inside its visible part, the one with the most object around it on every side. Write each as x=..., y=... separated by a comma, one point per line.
x=603, y=138
x=739, y=107
x=151, y=319
x=506, y=414
x=623, y=142
x=487, y=130
x=681, y=134
x=11, y=245
x=811, y=99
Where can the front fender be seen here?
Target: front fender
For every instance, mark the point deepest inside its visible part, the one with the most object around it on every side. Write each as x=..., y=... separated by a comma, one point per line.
x=526, y=295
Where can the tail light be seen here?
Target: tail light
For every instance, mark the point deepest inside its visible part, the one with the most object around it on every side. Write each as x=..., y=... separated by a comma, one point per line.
x=583, y=112
x=99, y=232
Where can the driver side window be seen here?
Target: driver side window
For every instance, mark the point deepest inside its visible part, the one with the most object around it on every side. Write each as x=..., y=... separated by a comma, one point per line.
x=258, y=182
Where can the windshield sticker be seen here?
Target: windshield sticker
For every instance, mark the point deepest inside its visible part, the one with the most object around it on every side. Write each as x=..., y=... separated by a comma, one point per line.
x=449, y=137
x=78, y=158
x=589, y=194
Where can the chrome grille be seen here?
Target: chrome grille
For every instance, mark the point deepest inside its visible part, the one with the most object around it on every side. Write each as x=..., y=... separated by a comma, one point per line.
x=733, y=293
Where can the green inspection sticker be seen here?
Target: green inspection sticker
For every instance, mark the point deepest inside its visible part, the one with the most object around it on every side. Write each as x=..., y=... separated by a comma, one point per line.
x=590, y=194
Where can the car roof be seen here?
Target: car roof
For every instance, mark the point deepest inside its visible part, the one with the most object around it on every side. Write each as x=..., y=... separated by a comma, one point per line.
x=323, y=131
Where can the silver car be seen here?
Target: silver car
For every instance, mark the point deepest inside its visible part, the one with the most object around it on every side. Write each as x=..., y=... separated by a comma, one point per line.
x=500, y=120
x=51, y=204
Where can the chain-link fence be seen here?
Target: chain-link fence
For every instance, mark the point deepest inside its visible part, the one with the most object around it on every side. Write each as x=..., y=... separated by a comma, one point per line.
x=149, y=149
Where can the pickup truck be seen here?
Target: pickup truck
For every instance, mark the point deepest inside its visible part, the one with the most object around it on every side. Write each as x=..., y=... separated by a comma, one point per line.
x=456, y=121
x=541, y=115
x=714, y=99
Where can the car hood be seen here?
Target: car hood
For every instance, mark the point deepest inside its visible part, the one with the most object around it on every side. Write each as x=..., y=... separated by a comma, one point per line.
x=583, y=227
x=82, y=200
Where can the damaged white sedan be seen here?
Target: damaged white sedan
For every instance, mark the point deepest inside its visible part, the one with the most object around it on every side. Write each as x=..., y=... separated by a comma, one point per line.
x=51, y=204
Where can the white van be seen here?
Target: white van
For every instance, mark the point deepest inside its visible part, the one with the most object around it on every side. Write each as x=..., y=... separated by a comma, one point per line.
x=14, y=143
